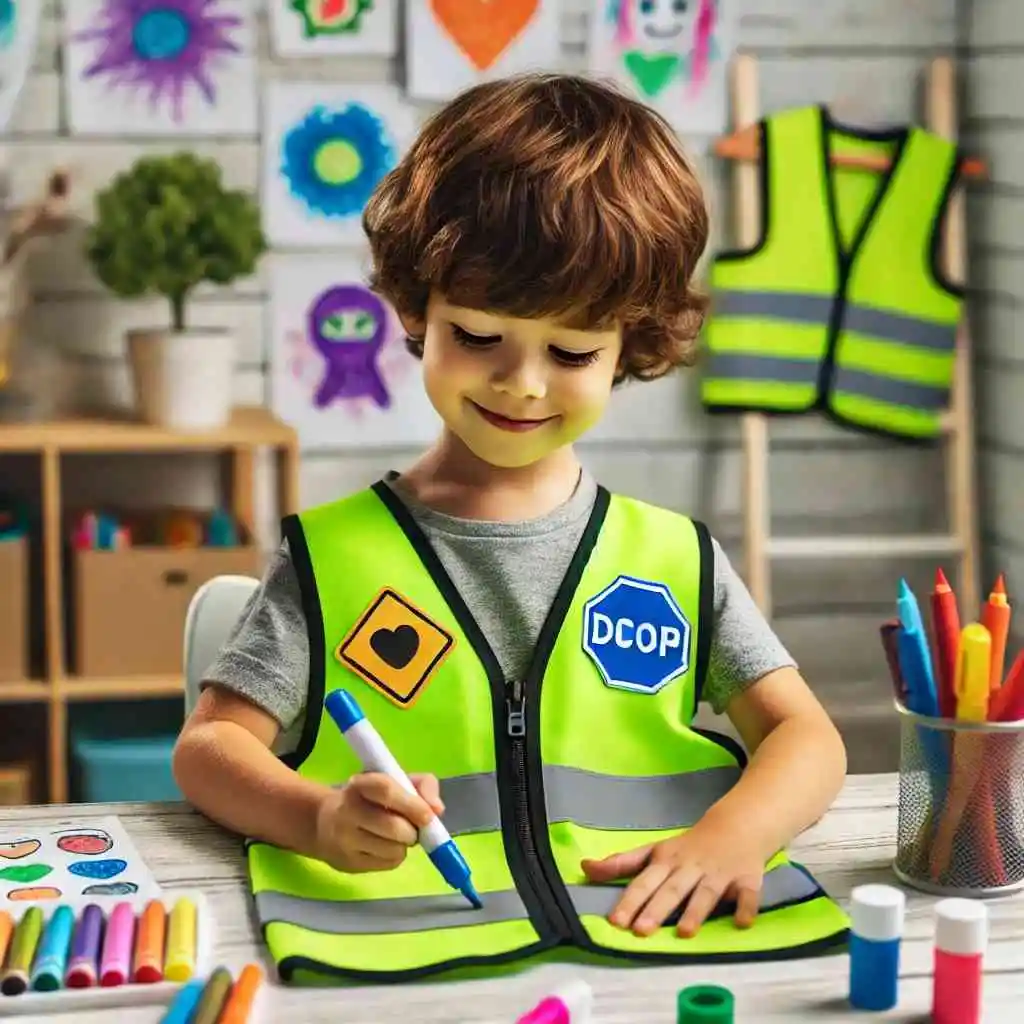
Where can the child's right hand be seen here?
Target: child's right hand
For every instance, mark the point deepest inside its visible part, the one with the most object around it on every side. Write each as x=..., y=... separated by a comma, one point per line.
x=370, y=822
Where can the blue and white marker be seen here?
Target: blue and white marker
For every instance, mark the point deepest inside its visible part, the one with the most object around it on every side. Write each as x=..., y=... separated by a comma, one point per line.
x=374, y=755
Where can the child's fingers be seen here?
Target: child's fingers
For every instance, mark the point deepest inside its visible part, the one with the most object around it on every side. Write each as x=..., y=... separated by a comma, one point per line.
x=384, y=791
x=430, y=789
x=387, y=825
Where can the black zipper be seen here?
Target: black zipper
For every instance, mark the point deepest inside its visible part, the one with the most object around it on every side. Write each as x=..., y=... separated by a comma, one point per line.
x=516, y=706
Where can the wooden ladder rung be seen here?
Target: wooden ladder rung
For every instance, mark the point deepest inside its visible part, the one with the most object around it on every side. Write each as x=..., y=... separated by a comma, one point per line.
x=924, y=545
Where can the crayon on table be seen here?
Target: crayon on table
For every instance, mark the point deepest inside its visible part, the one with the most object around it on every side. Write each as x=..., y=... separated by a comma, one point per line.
x=180, y=958
x=148, y=961
x=51, y=959
x=946, y=631
x=243, y=996
x=116, y=956
x=84, y=961
x=995, y=617
x=568, y=1004
x=184, y=1004
x=214, y=995
x=22, y=950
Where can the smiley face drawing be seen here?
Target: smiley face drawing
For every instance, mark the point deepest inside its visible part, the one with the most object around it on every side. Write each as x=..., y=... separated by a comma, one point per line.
x=84, y=842
x=664, y=21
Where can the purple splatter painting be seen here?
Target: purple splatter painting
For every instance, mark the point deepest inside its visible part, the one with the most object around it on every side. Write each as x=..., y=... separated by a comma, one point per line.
x=161, y=48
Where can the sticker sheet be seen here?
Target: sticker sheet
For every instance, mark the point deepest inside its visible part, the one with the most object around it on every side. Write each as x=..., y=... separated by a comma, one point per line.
x=70, y=860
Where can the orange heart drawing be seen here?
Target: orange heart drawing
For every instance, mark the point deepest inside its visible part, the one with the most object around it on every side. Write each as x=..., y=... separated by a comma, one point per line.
x=484, y=29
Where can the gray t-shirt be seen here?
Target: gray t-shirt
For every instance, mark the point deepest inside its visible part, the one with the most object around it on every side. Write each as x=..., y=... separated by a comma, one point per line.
x=508, y=574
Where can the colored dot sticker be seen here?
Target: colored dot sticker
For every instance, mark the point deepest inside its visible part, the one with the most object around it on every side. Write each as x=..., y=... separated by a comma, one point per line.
x=337, y=162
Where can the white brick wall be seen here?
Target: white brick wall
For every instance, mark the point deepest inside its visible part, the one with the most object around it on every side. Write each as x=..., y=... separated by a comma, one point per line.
x=863, y=56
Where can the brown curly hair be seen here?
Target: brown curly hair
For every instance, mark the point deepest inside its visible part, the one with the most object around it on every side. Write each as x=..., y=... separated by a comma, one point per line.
x=548, y=195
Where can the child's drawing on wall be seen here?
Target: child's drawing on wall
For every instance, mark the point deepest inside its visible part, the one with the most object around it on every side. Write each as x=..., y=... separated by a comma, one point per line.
x=669, y=53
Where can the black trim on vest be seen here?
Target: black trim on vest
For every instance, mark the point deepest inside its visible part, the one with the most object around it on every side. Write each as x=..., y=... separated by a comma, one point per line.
x=291, y=530
x=705, y=610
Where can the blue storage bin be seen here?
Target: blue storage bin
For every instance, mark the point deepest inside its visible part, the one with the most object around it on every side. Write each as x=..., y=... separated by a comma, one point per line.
x=113, y=769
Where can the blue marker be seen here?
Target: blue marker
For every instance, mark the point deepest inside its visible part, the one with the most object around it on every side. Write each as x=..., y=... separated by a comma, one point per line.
x=876, y=928
x=185, y=1002
x=52, y=955
x=372, y=751
x=915, y=657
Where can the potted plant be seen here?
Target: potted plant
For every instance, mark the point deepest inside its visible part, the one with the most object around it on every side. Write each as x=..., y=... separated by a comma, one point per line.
x=162, y=227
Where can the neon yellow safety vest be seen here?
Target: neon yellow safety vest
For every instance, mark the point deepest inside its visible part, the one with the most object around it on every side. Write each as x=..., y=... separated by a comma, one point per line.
x=592, y=753
x=841, y=305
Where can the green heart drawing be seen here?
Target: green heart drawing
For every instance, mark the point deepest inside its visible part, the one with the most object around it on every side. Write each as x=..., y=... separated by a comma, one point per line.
x=653, y=71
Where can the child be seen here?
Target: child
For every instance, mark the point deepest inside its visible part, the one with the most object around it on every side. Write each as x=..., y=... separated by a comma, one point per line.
x=539, y=242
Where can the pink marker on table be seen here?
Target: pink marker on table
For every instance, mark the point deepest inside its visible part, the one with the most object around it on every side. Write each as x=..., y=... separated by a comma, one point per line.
x=961, y=935
x=571, y=1003
x=116, y=958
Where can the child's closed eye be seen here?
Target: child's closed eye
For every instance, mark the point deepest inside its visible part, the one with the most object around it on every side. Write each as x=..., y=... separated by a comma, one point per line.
x=470, y=340
x=568, y=358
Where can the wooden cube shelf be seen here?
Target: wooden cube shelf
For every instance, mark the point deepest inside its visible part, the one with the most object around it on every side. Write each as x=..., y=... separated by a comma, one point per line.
x=250, y=429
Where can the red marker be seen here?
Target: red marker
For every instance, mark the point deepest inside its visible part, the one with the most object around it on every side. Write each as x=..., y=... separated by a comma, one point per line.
x=946, y=630
x=1007, y=704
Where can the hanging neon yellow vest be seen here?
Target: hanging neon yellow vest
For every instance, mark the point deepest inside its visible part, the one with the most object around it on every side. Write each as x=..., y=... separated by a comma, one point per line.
x=841, y=305
x=537, y=773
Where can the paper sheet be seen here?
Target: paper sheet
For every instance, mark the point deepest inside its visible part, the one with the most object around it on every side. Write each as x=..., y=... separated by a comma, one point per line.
x=71, y=859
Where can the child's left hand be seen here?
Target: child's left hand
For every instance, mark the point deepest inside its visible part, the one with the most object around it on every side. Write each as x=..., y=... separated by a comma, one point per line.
x=708, y=863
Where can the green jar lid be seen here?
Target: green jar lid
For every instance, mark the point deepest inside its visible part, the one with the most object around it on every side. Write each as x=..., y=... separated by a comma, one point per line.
x=705, y=1004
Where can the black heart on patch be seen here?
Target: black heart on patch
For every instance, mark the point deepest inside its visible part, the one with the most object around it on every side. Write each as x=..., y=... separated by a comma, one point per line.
x=395, y=646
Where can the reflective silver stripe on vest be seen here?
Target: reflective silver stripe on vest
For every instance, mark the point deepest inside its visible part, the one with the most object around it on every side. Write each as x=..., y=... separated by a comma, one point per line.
x=782, y=886
x=887, y=389
x=741, y=366
x=592, y=799
x=817, y=309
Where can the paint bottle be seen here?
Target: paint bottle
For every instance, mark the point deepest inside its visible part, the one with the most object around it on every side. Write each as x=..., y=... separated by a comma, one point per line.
x=876, y=928
x=571, y=1003
x=705, y=1004
x=961, y=935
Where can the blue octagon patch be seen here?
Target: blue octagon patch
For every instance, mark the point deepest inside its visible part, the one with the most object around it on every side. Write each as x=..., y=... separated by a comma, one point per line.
x=637, y=635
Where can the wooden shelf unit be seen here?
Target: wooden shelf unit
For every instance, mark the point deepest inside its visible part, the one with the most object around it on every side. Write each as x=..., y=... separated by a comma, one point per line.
x=250, y=429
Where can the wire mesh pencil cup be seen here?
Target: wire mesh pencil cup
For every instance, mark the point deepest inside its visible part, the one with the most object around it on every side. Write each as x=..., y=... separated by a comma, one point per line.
x=961, y=806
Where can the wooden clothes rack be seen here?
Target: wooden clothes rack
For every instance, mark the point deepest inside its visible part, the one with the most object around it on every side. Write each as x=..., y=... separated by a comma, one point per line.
x=961, y=540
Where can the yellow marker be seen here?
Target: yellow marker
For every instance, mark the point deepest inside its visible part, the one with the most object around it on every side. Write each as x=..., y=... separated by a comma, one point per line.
x=180, y=962
x=973, y=667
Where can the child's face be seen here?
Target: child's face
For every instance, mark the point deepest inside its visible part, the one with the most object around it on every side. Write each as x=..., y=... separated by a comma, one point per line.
x=514, y=391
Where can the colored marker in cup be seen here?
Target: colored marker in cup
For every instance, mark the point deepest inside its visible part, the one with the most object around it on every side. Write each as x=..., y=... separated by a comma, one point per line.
x=116, y=958
x=83, y=963
x=52, y=958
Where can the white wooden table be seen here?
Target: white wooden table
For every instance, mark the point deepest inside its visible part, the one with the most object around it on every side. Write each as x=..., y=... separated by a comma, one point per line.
x=853, y=844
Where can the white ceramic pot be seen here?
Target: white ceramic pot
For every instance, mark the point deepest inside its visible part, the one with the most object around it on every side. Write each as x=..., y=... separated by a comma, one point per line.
x=184, y=380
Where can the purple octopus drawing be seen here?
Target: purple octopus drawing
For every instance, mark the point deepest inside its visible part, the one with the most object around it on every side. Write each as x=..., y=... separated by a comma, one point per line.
x=348, y=326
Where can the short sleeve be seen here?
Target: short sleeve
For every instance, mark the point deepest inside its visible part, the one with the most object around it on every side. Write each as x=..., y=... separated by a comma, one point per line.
x=744, y=646
x=266, y=658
